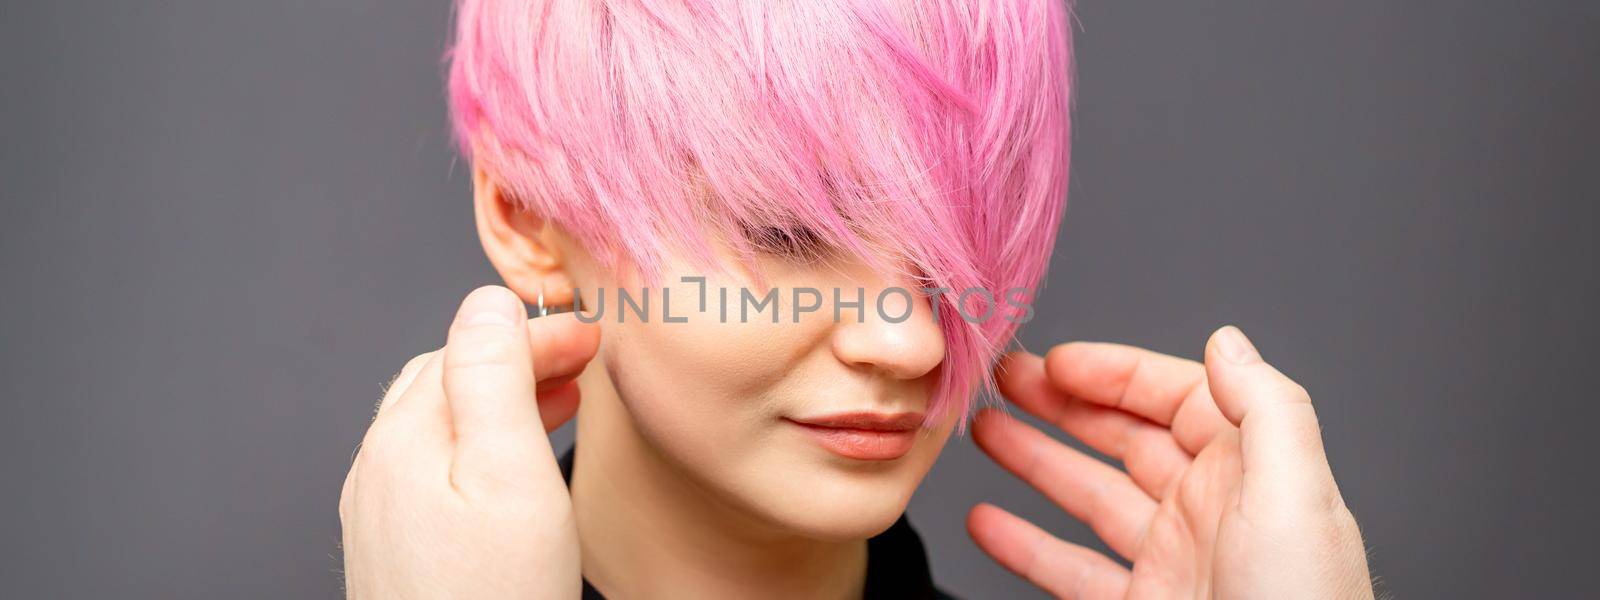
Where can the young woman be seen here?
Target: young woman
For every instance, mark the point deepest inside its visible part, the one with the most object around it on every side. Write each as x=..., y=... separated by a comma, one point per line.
x=800, y=233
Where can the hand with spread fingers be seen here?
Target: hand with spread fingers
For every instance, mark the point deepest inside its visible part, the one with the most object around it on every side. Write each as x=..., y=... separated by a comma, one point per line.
x=455, y=491
x=1225, y=491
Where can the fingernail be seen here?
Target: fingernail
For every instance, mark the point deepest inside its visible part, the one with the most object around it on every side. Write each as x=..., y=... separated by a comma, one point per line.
x=1236, y=347
x=489, y=306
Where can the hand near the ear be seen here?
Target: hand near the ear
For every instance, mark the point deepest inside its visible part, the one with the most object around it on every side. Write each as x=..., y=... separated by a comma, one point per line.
x=455, y=491
x=1226, y=492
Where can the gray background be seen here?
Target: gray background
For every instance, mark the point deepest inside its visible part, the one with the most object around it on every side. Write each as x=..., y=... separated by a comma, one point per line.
x=226, y=223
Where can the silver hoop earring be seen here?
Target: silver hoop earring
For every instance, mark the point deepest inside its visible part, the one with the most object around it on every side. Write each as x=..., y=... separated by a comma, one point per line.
x=542, y=309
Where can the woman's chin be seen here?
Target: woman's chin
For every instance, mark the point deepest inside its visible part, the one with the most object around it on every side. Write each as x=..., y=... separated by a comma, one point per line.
x=843, y=523
x=838, y=507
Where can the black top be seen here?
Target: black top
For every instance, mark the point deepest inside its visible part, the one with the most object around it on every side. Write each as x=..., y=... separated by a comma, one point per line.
x=897, y=564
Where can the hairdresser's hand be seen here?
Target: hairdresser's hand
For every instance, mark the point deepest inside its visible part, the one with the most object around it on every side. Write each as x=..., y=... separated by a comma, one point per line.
x=1226, y=493
x=455, y=492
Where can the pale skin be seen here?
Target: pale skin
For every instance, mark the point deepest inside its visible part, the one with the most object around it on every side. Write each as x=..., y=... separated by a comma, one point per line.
x=1225, y=490
x=455, y=492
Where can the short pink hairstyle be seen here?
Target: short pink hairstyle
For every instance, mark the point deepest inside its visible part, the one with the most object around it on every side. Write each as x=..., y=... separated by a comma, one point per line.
x=929, y=137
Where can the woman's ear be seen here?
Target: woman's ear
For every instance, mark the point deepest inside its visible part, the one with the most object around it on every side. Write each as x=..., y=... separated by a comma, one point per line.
x=519, y=243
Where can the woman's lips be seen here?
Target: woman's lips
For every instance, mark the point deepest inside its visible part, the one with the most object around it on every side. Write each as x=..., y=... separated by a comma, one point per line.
x=863, y=435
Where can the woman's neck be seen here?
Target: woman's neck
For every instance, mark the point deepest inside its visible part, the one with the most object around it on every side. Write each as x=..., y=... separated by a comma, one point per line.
x=645, y=528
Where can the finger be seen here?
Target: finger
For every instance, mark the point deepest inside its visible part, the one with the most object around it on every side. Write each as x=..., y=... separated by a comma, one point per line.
x=418, y=420
x=397, y=387
x=1280, y=442
x=562, y=347
x=1198, y=420
x=410, y=439
x=559, y=405
x=1136, y=380
x=489, y=383
x=1151, y=455
x=559, y=341
x=1152, y=385
x=1064, y=569
x=391, y=394
x=1101, y=496
x=423, y=399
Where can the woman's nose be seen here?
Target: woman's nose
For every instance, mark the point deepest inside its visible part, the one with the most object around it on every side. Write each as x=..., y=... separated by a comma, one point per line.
x=895, y=333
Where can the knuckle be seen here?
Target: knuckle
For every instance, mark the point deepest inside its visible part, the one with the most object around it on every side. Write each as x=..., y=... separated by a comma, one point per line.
x=1335, y=534
x=1347, y=524
x=417, y=361
x=377, y=449
x=346, y=501
x=497, y=348
x=1059, y=353
x=1332, y=506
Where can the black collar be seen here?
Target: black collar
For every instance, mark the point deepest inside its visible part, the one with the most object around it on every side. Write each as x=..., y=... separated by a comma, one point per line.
x=897, y=564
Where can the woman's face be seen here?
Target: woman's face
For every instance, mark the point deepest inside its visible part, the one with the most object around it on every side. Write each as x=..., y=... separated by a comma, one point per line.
x=811, y=425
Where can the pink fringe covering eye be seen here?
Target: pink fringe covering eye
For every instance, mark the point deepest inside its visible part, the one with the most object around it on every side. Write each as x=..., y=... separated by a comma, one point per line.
x=940, y=127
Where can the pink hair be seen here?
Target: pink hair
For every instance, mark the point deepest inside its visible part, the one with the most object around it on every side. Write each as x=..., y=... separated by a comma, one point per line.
x=930, y=137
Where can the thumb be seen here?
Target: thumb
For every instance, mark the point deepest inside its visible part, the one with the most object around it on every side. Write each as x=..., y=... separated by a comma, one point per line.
x=1285, y=468
x=489, y=382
